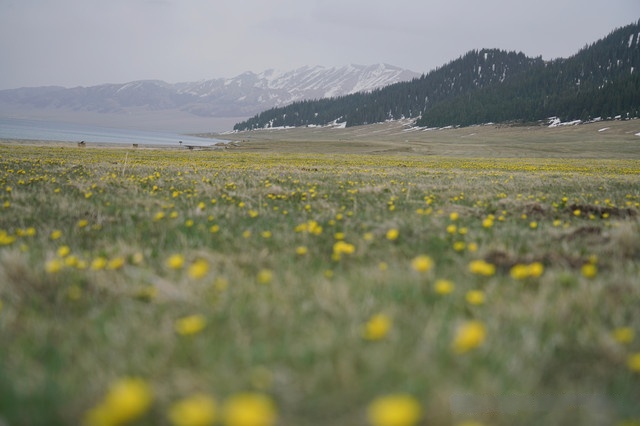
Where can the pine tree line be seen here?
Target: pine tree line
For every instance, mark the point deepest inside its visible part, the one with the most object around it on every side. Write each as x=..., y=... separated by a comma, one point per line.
x=490, y=85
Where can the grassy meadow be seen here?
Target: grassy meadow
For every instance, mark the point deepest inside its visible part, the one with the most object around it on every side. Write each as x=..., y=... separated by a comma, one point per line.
x=246, y=288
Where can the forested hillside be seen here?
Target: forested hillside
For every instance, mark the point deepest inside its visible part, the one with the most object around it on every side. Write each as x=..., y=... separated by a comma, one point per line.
x=601, y=80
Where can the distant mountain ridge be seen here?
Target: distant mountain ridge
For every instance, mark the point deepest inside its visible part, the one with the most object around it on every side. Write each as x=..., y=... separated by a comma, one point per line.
x=490, y=85
x=239, y=96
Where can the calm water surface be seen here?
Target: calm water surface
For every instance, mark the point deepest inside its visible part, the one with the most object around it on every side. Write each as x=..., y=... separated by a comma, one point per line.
x=18, y=128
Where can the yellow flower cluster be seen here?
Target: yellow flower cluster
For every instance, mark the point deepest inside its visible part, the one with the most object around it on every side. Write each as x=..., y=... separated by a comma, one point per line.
x=127, y=400
x=523, y=271
x=377, y=327
x=481, y=267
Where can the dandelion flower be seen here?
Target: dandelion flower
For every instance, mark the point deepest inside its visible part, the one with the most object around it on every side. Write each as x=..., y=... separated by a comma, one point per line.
x=195, y=410
x=394, y=410
x=175, y=261
x=623, y=335
x=98, y=263
x=377, y=327
x=342, y=247
x=469, y=336
x=454, y=216
x=127, y=400
x=589, y=270
x=249, y=409
x=633, y=362
x=459, y=246
x=452, y=229
x=301, y=250
x=443, y=287
x=480, y=267
x=55, y=234
x=116, y=263
x=190, y=325
x=198, y=269
x=63, y=251
x=422, y=263
x=487, y=223
x=392, y=234
x=475, y=297
x=54, y=266
x=265, y=276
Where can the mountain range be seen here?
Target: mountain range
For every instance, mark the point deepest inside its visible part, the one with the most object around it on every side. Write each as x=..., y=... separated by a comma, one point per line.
x=237, y=97
x=490, y=85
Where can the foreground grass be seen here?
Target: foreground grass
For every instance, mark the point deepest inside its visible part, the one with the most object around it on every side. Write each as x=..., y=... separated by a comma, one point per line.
x=319, y=283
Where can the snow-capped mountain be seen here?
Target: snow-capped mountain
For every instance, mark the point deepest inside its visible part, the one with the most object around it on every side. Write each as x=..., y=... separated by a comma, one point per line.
x=243, y=95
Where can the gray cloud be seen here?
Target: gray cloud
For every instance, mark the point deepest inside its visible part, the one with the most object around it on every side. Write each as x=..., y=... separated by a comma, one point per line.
x=85, y=42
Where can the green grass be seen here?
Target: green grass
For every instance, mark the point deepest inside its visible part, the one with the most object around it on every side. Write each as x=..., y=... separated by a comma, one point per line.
x=67, y=331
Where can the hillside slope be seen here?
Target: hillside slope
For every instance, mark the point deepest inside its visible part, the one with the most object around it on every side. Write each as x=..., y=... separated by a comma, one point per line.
x=490, y=85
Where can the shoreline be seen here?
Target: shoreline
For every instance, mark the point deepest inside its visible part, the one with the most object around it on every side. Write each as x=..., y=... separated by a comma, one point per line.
x=112, y=145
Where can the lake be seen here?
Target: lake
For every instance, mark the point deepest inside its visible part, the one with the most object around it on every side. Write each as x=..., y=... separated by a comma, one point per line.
x=19, y=128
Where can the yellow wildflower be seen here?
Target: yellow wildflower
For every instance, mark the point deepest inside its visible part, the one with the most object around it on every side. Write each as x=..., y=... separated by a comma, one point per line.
x=487, y=223
x=623, y=335
x=475, y=297
x=55, y=234
x=469, y=336
x=443, y=287
x=392, y=234
x=394, y=410
x=589, y=270
x=54, y=266
x=116, y=263
x=265, y=276
x=454, y=216
x=633, y=362
x=422, y=263
x=480, y=267
x=452, y=229
x=195, y=410
x=249, y=409
x=175, y=261
x=522, y=272
x=377, y=327
x=459, y=246
x=301, y=250
x=342, y=247
x=63, y=251
x=198, y=269
x=191, y=324
x=127, y=400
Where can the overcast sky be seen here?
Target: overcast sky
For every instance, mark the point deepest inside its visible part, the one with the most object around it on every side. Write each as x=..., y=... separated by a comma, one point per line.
x=87, y=42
